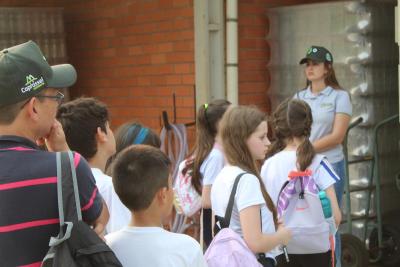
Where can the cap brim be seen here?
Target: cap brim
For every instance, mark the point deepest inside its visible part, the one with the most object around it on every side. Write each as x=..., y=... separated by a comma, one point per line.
x=64, y=75
x=302, y=61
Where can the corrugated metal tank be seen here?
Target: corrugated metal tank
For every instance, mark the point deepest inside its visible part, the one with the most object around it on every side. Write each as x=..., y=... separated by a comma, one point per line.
x=361, y=39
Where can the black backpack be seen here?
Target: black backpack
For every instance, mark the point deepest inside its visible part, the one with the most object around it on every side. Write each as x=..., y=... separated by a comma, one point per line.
x=76, y=244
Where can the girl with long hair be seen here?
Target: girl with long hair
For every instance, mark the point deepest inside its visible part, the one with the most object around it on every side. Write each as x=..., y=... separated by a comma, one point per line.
x=206, y=158
x=292, y=151
x=244, y=138
x=331, y=109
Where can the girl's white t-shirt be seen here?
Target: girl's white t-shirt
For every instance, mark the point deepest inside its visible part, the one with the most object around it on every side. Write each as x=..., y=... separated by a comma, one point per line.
x=275, y=171
x=212, y=165
x=248, y=194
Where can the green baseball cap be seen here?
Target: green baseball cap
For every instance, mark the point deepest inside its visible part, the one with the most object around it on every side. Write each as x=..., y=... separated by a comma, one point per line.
x=319, y=54
x=24, y=72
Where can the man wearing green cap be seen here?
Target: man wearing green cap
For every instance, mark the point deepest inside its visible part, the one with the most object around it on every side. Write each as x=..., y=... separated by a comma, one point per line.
x=29, y=98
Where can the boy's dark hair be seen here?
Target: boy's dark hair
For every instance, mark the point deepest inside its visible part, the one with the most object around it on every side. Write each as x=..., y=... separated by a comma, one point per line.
x=138, y=172
x=80, y=119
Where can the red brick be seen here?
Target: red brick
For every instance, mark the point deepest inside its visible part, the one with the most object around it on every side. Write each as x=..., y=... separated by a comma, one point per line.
x=173, y=80
x=144, y=81
x=184, y=23
x=158, y=80
x=183, y=46
x=183, y=68
x=188, y=79
x=116, y=101
x=179, y=3
x=135, y=50
x=180, y=57
x=158, y=58
x=165, y=47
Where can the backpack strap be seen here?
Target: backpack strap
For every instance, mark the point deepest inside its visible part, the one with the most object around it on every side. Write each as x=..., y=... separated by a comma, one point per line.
x=75, y=185
x=67, y=196
x=225, y=221
x=70, y=192
x=229, y=208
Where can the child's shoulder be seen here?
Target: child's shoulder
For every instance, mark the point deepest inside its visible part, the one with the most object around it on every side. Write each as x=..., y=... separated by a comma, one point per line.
x=102, y=179
x=318, y=160
x=281, y=157
x=181, y=240
x=216, y=152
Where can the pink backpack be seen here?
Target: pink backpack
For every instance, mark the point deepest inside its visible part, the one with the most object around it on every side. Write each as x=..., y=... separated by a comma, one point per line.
x=188, y=201
x=228, y=248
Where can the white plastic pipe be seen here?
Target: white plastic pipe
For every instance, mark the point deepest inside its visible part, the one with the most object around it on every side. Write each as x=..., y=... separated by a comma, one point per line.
x=232, y=51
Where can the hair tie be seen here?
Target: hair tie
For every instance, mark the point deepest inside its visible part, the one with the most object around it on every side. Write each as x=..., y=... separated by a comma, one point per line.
x=141, y=136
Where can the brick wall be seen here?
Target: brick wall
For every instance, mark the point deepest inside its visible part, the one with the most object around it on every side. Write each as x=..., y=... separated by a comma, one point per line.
x=30, y=3
x=253, y=53
x=134, y=55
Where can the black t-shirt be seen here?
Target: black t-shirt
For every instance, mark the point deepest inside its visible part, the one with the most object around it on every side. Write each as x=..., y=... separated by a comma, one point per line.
x=28, y=200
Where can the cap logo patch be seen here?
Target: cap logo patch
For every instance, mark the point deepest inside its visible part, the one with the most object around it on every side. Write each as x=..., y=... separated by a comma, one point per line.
x=315, y=50
x=32, y=83
x=30, y=79
x=328, y=57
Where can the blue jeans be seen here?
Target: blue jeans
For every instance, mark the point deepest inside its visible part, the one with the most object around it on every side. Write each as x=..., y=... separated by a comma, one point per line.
x=338, y=167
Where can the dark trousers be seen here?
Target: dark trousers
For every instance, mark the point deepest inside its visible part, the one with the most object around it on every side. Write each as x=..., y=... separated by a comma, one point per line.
x=207, y=227
x=306, y=260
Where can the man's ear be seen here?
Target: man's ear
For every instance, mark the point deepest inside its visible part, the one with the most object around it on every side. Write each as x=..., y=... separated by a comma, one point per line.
x=31, y=107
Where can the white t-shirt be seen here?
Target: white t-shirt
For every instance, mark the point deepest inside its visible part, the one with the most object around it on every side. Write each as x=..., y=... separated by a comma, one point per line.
x=154, y=246
x=275, y=171
x=248, y=194
x=212, y=165
x=120, y=215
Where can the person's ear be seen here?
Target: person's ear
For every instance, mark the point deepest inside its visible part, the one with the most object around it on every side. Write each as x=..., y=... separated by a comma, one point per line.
x=32, y=108
x=101, y=136
x=162, y=196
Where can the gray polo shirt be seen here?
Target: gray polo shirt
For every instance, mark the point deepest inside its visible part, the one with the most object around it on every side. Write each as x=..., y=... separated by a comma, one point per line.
x=324, y=106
